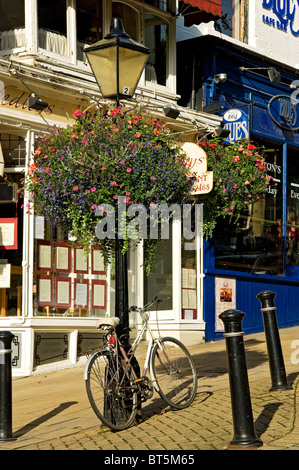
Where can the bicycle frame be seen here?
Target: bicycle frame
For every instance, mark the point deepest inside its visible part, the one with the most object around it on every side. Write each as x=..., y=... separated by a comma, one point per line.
x=152, y=340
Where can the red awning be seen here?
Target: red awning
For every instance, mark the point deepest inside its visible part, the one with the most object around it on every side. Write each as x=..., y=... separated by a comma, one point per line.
x=200, y=11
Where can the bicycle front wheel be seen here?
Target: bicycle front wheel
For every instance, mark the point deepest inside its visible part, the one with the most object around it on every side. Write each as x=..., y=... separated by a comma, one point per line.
x=110, y=391
x=174, y=372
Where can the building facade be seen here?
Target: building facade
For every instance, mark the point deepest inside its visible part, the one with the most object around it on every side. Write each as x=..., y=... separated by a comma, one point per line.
x=253, y=83
x=51, y=296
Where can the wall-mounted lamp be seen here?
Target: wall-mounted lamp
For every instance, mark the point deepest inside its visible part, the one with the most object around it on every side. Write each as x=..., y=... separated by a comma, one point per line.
x=172, y=113
x=273, y=74
x=34, y=102
x=220, y=78
x=222, y=132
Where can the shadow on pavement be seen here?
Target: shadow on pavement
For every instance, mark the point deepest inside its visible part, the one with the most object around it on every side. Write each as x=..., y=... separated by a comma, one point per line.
x=37, y=422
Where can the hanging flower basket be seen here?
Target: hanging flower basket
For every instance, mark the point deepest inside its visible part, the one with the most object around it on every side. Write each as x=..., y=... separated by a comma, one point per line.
x=81, y=170
x=240, y=179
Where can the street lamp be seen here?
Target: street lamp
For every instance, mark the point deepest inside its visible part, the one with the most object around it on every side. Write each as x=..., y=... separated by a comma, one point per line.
x=117, y=63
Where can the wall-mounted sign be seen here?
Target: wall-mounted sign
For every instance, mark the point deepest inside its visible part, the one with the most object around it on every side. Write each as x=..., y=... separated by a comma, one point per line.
x=197, y=165
x=285, y=15
x=238, y=123
x=284, y=112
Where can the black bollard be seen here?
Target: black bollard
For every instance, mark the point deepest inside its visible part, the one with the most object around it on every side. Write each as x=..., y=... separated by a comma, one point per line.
x=244, y=433
x=276, y=362
x=6, y=338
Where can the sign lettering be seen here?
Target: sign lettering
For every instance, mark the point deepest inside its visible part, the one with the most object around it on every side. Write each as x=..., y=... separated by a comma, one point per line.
x=285, y=11
x=284, y=112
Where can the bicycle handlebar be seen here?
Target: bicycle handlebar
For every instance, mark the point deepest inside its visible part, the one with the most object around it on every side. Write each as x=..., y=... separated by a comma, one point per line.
x=155, y=300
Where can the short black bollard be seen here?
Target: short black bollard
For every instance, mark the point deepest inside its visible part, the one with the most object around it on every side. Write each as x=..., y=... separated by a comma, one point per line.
x=6, y=338
x=244, y=433
x=276, y=362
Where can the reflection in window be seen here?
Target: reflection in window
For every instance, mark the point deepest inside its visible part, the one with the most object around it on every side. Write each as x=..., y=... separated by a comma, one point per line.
x=89, y=21
x=52, y=26
x=156, y=39
x=292, y=211
x=12, y=24
x=66, y=282
x=225, y=23
x=159, y=281
x=253, y=242
x=12, y=14
x=14, y=150
x=129, y=17
x=11, y=298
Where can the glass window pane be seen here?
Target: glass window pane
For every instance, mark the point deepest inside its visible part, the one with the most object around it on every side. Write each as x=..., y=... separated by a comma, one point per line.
x=159, y=281
x=156, y=39
x=292, y=211
x=89, y=21
x=252, y=242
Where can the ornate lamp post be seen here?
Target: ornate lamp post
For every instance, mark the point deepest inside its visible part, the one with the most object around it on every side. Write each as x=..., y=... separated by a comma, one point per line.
x=117, y=63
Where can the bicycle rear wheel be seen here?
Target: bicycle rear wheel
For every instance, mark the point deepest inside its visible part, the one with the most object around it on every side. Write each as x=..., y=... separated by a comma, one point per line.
x=174, y=373
x=110, y=392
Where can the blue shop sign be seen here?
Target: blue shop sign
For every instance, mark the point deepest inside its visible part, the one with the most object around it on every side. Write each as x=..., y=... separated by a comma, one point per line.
x=284, y=111
x=236, y=120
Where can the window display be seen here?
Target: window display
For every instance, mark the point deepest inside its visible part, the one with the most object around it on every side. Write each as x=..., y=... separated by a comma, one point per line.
x=252, y=241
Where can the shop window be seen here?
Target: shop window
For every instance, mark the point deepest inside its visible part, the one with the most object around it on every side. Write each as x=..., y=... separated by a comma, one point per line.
x=252, y=241
x=12, y=24
x=292, y=245
x=11, y=251
x=156, y=39
x=66, y=281
x=189, y=282
x=89, y=24
x=52, y=28
x=159, y=281
x=14, y=150
x=225, y=23
x=130, y=18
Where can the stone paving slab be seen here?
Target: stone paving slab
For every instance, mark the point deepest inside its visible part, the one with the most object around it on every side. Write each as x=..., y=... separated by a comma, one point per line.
x=51, y=411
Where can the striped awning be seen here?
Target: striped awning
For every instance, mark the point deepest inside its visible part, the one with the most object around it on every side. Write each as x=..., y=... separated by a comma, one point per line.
x=200, y=11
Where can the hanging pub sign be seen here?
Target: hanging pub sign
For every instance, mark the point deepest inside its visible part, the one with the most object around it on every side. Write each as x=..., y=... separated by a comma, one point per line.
x=284, y=111
x=197, y=165
x=238, y=123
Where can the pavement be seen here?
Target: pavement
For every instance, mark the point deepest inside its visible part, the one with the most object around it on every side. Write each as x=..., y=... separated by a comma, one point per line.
x=51, y=411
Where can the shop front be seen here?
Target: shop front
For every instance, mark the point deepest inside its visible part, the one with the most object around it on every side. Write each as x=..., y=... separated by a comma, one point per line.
x=51, y=295
x=258, y=249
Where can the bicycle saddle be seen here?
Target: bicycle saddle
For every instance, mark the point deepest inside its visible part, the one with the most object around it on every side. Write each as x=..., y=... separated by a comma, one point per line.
x=108, y=322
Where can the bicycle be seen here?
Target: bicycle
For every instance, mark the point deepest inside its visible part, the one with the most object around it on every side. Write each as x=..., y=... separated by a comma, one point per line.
x=112, y=375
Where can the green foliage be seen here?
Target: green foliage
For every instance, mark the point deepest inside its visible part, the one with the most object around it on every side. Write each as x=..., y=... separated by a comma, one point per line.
x=239, y=180
x=99, y=159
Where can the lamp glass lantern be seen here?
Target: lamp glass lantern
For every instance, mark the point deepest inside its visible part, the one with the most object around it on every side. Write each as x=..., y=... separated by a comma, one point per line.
x=117, y=62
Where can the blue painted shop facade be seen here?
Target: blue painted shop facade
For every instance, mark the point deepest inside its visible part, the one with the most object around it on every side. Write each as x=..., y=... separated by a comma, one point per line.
x=259, y=251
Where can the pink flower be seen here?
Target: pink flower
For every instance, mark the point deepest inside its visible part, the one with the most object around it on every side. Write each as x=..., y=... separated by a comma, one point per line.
x=236, y=158
x=113, y=183
x=152, y=204
x=75, y=188
x=122, y=162
x=129, y=170
x=153, y=178
x=245, y=202
x=93, y=189
x=115, y=196
x=138, y=134
x=128, y=193
x=94, y=206
x=104, y=168
x=77, y=113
